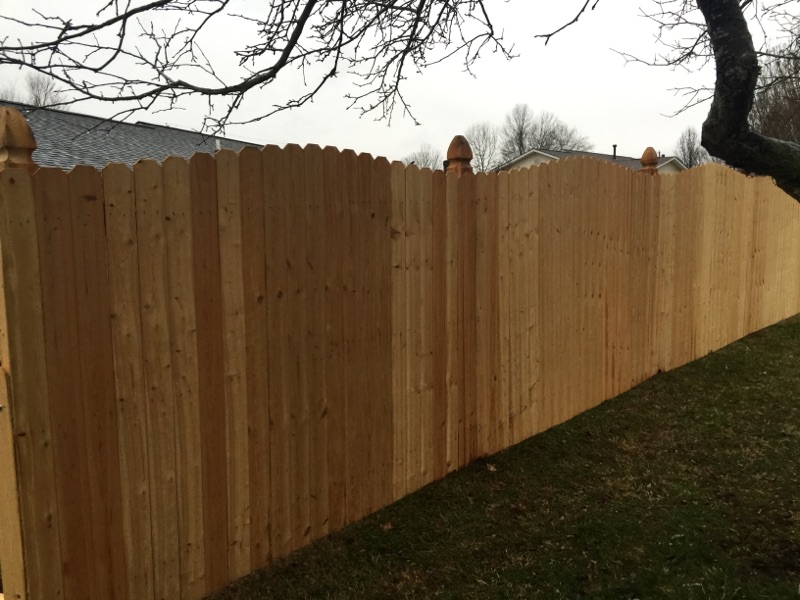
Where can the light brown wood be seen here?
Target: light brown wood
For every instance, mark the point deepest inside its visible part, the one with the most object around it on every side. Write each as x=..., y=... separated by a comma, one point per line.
x=422, y=309
x=381, y=296
x=504, y=316
x=400, y=301
x=242, y=354
x=185, y=375
x=454, y=332
x=62, y=349
x=253, y=213
x=297, y=341
x=336, y=299
x=352, y=324
x=210, y=367
x=413, y=333
x=229, y=211
x=277, y=301
x=29, y=497
x=157, y=357
x=126, y=331
x=316, y=260
x=439, y=315
x=17, y=142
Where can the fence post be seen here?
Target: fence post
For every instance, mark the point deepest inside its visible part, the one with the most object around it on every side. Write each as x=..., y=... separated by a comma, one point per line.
x=459, y=155
x=16, y=148
x=17, y=142
x=650, y=161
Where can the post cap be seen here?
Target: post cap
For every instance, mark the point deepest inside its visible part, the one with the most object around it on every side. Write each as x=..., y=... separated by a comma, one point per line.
x=650, y=160
x=17, y=142
x=459, y=155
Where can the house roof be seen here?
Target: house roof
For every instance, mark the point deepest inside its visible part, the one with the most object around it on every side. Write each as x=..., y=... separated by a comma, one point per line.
x=66, y=139
x=625, y=161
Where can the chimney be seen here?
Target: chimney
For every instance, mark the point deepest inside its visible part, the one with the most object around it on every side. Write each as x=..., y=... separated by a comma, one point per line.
x=615, y=152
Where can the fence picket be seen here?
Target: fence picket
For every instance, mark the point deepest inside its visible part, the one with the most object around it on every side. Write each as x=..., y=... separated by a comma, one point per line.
x=126, y=330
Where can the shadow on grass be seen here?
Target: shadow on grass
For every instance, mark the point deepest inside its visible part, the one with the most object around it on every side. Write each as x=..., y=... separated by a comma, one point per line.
x=684, y=487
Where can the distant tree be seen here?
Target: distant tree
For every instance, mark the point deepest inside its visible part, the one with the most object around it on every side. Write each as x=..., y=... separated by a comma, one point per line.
x=689, y=150
x=484, y=139
x=427, y=157
x=776, y=107
x=40, y=90
x=523, y=131
x=9, y=93
x=514, y=132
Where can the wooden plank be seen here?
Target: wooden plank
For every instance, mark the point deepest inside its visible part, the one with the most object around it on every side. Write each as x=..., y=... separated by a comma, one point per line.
x=336, y=216
x=353, y=334
x=126, y=332
x=468, y=441
x=28, y=500
x=185, y=375
x=547, y=291
x=381, y=296
x=484, y=283
x=400, y=300
x=210, y=366
x=297, y=379
x=366, y=286
x=316, y=261
x=504, y=317
x=62, y=349
x=454, y=325
x=533, y=329
x=516, y=309
x=422, y=304
x=229, y=210
x=665, y=278
x=278, y=299
x=439, y=304
x=253, y=213
x=415, y=183
x=97, y=378
x=157, y=356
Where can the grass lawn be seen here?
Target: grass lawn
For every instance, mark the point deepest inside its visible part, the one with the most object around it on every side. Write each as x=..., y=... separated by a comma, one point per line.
x=686, y=487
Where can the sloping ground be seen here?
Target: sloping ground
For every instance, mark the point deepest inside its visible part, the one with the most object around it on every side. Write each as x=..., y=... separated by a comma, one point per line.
x=685, y=487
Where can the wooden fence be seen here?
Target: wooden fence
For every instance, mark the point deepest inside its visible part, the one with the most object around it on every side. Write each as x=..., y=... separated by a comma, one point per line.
x=210, y=363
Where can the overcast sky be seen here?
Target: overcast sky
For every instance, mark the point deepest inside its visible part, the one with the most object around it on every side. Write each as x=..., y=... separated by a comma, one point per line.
x=577, y=76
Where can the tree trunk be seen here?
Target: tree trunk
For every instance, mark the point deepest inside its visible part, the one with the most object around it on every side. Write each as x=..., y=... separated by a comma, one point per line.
x=726, y=133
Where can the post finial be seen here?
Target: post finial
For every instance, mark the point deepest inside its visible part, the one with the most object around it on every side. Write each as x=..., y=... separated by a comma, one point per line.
x=459, y=155
x=17, y=142
x=650, y=161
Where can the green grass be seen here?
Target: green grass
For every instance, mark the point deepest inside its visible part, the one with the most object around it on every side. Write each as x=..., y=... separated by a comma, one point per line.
x=686, y=487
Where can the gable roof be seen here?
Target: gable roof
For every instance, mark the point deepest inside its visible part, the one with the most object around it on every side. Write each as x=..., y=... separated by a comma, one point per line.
x=625, y=161
x=66, y=139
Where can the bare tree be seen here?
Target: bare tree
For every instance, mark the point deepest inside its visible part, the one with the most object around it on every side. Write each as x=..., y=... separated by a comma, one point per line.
x=776, y=107
x=427, y=157
x=689, y=150
x=42, y=90
x=514, y=139
x=523, y=130
x=10, y=93
x=484, y=139
x=696, y=32
x=150, y=55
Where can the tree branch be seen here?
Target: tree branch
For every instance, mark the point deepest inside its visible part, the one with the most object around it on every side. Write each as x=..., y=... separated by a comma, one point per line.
x=726, y=132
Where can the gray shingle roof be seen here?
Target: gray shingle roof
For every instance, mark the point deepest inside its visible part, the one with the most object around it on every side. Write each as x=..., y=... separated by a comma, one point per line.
x=66, y=139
